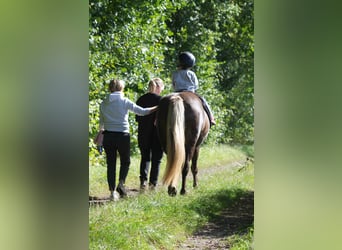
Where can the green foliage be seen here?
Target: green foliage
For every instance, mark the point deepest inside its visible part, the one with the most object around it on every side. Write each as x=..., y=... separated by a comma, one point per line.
x=138, y=40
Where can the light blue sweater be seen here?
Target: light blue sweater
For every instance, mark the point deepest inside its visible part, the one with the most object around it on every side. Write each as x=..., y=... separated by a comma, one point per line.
x=184, y=79
x=114, y=112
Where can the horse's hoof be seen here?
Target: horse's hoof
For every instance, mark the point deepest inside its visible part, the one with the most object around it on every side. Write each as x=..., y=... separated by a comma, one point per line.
x=183, y=192
x=172, y=191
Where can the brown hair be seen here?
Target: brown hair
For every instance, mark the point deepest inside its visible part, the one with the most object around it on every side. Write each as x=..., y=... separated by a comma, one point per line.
x=116, y=85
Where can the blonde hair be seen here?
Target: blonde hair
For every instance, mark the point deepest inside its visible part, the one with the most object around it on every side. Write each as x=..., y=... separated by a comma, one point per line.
x=116, y=85
x=154, y=83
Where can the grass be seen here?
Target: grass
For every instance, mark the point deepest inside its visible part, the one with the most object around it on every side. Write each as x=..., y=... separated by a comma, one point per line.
x=154, y=220
x=241, y=241
x=209, y=157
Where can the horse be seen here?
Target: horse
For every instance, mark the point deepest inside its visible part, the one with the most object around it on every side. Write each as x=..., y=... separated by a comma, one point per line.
x=182, y=126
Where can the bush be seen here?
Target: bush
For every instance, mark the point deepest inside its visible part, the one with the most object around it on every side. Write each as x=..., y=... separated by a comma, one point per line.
x=138, y=40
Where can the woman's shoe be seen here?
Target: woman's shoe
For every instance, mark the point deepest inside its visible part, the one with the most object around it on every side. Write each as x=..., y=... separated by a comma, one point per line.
x=121, y=190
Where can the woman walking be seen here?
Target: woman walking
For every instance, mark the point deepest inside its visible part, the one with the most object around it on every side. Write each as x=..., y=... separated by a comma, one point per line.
x=114, y=122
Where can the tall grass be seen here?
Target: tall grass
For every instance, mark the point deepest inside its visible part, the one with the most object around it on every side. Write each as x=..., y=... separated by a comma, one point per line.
x=154, y=220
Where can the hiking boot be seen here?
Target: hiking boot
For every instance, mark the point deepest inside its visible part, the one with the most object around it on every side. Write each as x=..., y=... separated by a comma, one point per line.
x=212, y=121
x=121, y=190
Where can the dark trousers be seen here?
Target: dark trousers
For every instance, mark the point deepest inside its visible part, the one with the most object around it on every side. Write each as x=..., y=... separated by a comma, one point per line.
x=113, y=143
x=150, y=151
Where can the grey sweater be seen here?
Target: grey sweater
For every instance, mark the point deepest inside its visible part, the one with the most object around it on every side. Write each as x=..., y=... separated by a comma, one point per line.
x=184, y=79
x=114, y=112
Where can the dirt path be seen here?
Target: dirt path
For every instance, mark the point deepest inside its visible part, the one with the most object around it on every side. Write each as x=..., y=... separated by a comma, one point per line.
x=231, y=221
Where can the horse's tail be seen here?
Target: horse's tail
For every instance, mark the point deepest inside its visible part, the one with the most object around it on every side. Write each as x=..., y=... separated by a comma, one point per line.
x=175, y=141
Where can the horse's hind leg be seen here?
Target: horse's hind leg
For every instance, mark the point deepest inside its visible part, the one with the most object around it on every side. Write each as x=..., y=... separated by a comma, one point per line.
x=184, y=175
x=194, y=169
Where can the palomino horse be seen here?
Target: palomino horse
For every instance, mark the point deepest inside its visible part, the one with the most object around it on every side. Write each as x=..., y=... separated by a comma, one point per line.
x=182, y=125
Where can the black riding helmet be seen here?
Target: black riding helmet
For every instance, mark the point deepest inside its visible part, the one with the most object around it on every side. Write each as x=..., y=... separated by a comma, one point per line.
x=186, y=60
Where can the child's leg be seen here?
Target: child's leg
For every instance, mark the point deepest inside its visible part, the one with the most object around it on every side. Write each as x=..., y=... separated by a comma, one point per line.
x=208, y=110
x=211, y=116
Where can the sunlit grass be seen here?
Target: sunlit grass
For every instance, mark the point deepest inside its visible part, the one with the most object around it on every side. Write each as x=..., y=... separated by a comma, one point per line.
x=154, y=220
